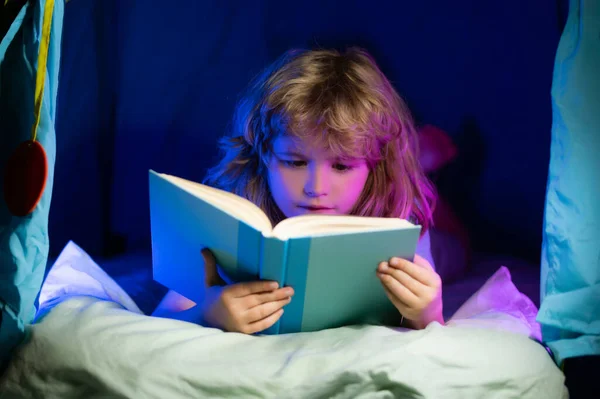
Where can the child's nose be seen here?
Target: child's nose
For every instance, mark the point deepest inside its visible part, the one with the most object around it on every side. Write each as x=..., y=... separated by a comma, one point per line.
x=317, y=184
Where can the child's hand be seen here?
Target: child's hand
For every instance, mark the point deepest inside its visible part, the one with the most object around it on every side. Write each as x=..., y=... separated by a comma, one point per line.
x=244, y=307
x=414, y=288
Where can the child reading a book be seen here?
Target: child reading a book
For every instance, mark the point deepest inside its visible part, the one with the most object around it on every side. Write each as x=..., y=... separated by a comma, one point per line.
x=320, y=132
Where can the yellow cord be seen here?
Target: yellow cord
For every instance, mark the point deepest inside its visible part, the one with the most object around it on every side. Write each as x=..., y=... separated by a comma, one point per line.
x=41, y=65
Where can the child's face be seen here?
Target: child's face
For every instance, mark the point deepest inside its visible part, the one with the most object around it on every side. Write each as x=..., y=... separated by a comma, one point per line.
x=305, y=179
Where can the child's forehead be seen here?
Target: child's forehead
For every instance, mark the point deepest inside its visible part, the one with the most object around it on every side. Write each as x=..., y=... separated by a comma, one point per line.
x=299, y=145
x=309, y=146
x=290, y=143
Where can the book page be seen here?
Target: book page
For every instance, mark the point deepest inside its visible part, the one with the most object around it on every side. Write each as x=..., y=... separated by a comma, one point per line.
x=318, y=225
x=234, y=205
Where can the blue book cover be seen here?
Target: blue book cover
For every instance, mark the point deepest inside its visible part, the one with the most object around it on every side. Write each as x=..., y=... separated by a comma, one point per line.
x=330, y=261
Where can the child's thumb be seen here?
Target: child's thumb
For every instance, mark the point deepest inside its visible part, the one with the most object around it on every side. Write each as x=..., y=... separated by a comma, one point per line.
x=211, y=275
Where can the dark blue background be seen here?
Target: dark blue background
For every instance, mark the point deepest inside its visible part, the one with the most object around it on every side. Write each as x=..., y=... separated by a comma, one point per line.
x=152, y=84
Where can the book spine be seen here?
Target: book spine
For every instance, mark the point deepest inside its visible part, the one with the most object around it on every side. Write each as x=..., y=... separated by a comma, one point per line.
x=299, y=250
x=273, y=258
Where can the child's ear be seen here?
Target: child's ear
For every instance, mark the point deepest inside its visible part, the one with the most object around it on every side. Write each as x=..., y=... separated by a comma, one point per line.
x=436, y=148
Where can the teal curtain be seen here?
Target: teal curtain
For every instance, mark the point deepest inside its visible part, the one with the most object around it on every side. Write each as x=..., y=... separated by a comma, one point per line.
x=24, y=240
x=570, y=274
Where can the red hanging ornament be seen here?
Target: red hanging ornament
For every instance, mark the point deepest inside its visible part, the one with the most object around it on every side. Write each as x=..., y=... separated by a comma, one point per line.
x=25, y=178
x=27, y=168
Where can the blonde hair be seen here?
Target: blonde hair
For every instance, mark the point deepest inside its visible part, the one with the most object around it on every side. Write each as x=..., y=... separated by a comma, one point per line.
x=342, y=101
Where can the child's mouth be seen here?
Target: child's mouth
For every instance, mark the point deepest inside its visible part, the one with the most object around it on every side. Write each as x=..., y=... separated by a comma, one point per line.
x=316, y=209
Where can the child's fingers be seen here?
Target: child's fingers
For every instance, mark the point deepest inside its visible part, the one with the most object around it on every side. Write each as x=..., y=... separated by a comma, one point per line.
x=256, y=315
x=403, y=294
x=265, y=297
x=401, y=306
x=263, y=324
x=251, y=288
x=415, y=286
x=420, y=273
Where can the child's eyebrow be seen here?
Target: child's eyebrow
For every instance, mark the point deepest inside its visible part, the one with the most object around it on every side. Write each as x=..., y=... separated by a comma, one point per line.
x=350, y=159
x=289, y=153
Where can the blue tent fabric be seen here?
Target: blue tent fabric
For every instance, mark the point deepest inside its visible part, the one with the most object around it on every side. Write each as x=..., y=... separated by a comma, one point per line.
x=24, y=241
x=570, y=274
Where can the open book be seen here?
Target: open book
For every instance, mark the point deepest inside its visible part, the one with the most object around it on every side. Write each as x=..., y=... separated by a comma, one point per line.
x=330, y=261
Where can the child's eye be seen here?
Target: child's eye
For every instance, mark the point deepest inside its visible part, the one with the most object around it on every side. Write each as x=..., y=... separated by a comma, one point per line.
x=293, y=164
x=342, y=168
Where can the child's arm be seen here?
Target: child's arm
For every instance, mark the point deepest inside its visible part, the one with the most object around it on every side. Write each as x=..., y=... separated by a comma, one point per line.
x=415, y=289
x=176, y=306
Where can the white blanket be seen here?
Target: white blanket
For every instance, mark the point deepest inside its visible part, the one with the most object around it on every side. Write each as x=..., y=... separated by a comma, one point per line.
x=93, y=347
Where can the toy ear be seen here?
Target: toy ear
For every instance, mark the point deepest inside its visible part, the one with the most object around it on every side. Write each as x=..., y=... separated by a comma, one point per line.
x=436, y=148
x=25, y=178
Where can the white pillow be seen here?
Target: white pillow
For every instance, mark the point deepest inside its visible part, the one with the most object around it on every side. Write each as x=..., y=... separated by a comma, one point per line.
x=498, y=304
x=76, y=274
